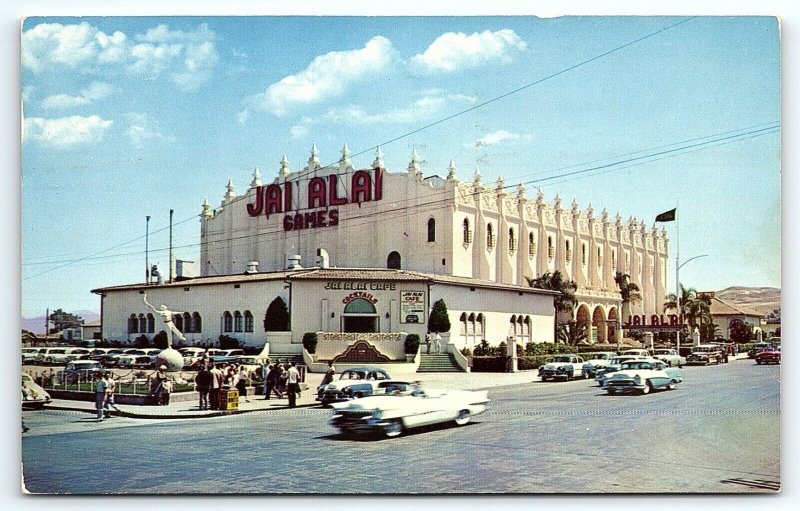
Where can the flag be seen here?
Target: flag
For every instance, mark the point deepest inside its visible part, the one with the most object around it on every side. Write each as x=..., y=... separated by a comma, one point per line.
x=666, y=216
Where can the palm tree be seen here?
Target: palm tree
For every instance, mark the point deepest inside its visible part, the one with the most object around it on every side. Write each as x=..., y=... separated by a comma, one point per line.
x=629, y=291
x=572, y=333
x=695, y=309
x=564, y=301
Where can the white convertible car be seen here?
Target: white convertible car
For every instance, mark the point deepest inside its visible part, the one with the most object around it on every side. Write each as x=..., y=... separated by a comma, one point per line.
x=406, y=406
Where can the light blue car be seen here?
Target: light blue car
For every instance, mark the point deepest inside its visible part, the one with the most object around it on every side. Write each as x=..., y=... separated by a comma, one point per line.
x=642, y=376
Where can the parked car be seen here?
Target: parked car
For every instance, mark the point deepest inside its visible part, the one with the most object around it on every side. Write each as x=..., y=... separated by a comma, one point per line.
x=191, y=355
x=562, y=366
x=110, y=358
x=669, y=356
x=407, y=407
x=757, y=348
x=353, y=383
x=98, y=353
x=637, y=351
x=29, y=355
x=704, y=354
x=769, y=356
x=249, y=364
x=83, y=370
x=41, y=357
x=595, y=361
x=613, y=366
x=33, y=396
x=643, y=376
x=78, y=354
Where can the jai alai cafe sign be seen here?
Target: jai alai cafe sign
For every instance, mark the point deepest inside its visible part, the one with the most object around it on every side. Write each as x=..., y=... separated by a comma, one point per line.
x=322, y=199
x=658, y=323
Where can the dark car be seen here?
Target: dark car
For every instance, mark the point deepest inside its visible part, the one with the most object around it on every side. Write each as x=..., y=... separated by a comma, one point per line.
x=81, y=370
x=353, y=383
x=757, y=348
x=769, y=356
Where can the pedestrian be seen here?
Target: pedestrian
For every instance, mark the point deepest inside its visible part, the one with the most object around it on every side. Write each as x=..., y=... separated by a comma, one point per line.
x=216, y=385
x=158, y=388
x=273, y=382
x=283, y=378
x=438, y=343
x=109, y=403
x=166, y=390
x=100, y=396
x=293, y=384
x=203, y=380
x=329, y=374
x=428, y=343
x=240, y=382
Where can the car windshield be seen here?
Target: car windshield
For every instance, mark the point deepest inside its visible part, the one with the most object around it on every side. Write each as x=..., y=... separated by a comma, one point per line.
x=662, y=352
x=703, y=349
x=562, y=359
x=637, y=365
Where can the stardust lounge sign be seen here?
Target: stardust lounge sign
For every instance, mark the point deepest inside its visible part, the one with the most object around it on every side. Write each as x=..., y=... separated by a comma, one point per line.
x=322, y=199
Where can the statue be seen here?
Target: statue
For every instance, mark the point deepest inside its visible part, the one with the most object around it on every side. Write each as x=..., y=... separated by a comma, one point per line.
x=170, y=358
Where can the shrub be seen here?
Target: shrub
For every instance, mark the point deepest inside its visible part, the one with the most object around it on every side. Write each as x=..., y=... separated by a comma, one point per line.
x=310, y=342
x=226, y=342
x=141, y=342
x=411, y=344
x=439, y=321
x=466, y=352
x=160, y=340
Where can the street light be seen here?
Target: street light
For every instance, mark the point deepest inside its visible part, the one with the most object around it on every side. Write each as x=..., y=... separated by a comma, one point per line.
x=678, y=299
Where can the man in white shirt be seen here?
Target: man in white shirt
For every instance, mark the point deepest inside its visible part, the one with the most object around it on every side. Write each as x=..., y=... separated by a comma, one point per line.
x=293, y=385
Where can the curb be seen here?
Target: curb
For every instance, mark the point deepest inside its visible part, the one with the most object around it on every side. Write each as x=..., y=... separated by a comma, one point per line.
x=189, y=415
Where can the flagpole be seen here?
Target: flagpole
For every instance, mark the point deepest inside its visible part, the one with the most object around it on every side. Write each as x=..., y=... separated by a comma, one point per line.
x=677, y=277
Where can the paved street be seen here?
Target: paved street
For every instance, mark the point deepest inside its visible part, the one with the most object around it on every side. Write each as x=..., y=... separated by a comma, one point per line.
x=718, y=432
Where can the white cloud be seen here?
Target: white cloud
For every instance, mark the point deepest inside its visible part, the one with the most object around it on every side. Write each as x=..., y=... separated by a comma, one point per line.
x=326, y=76
x=431, y=102
x=499, y=137
x=49, y=45
x=95, y=91
x=66, y=131
x=454, y=51
x=189, y=57
x=141, y=129
x=242, y=116
x=299, y=131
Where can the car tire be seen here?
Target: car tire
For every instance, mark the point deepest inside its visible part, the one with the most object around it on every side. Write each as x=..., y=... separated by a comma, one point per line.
x=462, y=418
x=611, y=391
x=671, y=385
x=394, y=429
x=758, y=362
x=647, y=388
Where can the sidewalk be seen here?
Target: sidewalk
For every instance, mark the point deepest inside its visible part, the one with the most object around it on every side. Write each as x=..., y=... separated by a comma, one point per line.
x=189, y=409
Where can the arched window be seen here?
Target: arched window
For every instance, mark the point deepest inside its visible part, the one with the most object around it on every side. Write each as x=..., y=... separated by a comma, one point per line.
x=187, y=322
x=359, y=306
x=197, y=323
x=142, y=323
x=178, y=320
x=471, y=324
x=467, y=232
x=551, y=250
x=431, y=230
x=569, y=251
x=248, y=321
x=133, y=324
x=513, y=328
x=531, y=245
x=489, y=236
x=227, y=322
x=613, y=260
x=583, y=254
x=512, y=241
x=237, y=321
x=462, y=321
x=393, y=261
x=479, y=325
x=599, y=258
x=151, y=323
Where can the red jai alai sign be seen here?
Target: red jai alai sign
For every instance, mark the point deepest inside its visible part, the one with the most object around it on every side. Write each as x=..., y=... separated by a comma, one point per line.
x=322, y=199
x=658, y=323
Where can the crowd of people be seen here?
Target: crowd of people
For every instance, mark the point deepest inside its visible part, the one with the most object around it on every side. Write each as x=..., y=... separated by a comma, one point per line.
x=280, y=380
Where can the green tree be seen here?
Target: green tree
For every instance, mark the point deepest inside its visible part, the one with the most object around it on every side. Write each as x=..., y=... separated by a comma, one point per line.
x=439, y=321
x=226, y=342
x=740, y=332
x=695, y=308
x=630, y=292
x=709, y=332
x=61, y=320
x=571, y=333
x=277, y=317
x=565, y=301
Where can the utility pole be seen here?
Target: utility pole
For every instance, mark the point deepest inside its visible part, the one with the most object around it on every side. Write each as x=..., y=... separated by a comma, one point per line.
x=170, y=245
x=147, y=251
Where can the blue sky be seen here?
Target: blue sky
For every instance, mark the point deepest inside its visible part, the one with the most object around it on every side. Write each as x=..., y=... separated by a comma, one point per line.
x=126, y=117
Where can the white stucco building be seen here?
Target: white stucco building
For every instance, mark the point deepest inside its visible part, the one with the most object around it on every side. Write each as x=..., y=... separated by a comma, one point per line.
x=390, y=234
